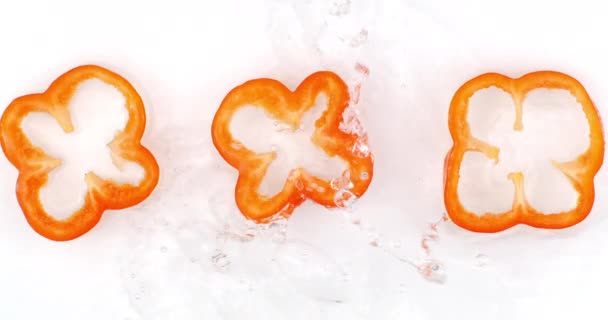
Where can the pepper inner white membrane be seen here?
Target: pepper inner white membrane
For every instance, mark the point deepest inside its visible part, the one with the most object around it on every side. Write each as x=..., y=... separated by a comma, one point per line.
x=555, y=128
x=258, y=131
x=98, y=112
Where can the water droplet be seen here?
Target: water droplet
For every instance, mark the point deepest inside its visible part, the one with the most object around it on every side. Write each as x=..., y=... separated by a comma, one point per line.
x=482, y=260
x=364, y=175
x=359, y=39
x=361, y=68
x=432, y=270
x=236, y=146
x=163, y=249
x=374, y=238
x=353, y=217
x=344, y=199
x=339, y=7
x=251, y=229
x=278, y=230
x=220, y=260
x=342, y=182
x=361, y=149
x=280, y=126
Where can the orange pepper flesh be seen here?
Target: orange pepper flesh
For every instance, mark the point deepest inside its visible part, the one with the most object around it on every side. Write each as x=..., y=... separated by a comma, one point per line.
x=580, y=172
x=34, y=164
x=289, y=107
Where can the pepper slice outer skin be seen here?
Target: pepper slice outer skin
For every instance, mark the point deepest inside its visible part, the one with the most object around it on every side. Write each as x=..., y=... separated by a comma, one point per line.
x=34, y=165
x=289, y=106
x=580, y=172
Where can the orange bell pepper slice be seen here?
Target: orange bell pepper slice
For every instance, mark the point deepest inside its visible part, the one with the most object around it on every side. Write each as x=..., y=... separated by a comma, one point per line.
x=580, y=172
x=34, y=164
x=289, y=107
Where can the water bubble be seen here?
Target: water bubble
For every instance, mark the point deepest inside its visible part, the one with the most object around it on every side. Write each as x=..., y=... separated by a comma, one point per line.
x=163, y=249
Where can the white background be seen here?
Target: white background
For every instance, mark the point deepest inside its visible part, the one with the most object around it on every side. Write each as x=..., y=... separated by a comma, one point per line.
x=155, y=261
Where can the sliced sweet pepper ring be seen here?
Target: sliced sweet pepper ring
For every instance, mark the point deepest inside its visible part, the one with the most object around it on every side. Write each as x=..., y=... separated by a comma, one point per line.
x=580, y=171
x=289, y=107
x=34, y=165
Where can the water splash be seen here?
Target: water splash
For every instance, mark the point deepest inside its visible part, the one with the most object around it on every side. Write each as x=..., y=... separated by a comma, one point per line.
x=275, y=230
x=430, y=269
x=432, y=235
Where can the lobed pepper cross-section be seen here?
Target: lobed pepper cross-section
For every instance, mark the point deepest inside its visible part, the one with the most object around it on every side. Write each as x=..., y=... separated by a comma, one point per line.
x=34, y=165
x=580, y=171
x=289, y=107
